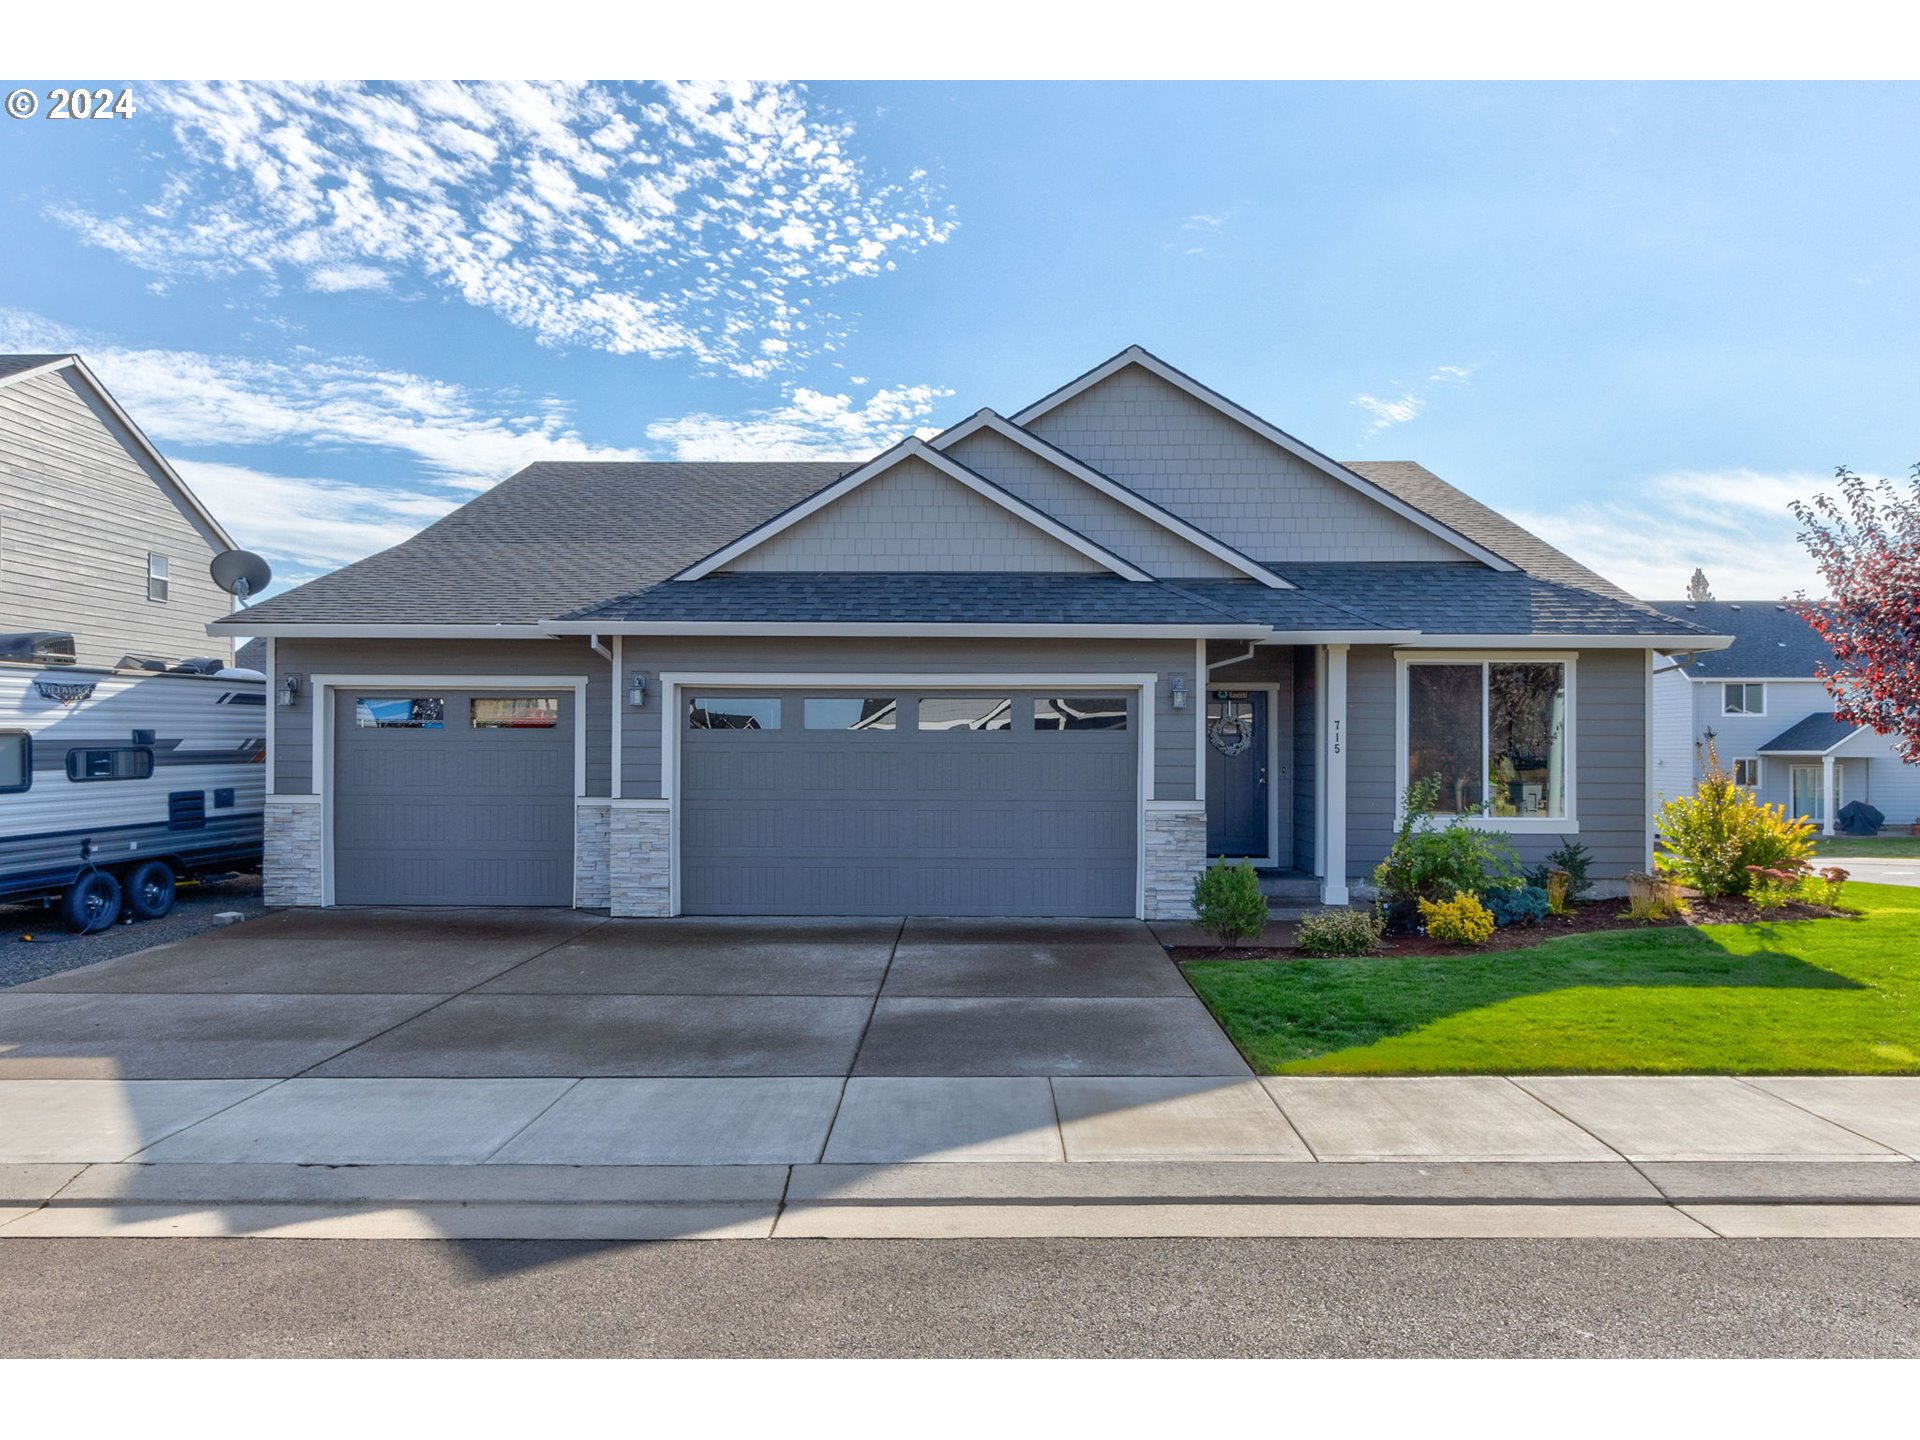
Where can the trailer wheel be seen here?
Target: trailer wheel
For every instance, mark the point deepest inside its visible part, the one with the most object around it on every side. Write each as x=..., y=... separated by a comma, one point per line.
x=150, y=890
x=91, y=903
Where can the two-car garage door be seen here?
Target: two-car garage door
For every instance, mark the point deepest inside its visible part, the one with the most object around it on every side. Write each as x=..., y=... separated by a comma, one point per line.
x=920, y=803
x=827, y=802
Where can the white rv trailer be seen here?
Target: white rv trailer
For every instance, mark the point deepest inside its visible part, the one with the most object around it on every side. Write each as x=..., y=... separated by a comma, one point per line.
x=115, y=783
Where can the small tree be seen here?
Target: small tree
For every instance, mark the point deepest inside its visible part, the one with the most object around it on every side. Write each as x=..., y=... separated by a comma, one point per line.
x=1866, y=544
x=1697, y=588
x=1227, y=902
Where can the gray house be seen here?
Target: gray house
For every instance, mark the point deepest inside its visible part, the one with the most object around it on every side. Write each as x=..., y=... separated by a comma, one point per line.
x=1044, y=663
x=1771, y=719
x=98, y=536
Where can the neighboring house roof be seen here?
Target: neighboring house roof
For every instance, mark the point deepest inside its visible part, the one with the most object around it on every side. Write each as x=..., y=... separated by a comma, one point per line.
x=251, y=656
x=1769, y=640
x=15, y=368
x=1815, y=735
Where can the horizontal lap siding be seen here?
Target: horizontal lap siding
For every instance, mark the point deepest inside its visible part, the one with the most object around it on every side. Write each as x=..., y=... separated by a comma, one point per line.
x=1610, y=755
x=1174, y=730
x=293, y=727
x=80, y=509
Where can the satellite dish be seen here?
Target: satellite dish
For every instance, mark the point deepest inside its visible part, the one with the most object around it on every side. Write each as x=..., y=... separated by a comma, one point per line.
x=240, y=573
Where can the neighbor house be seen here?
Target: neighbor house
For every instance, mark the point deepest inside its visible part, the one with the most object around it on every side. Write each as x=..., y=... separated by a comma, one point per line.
x=1041, y=664
x=1770, y=719
x=99, y=538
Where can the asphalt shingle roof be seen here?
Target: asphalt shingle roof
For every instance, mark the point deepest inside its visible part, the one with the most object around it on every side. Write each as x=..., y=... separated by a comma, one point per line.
x=1013, y=598
x=1815, y=735
x=14, y=364
x=557, y=536
x=1769, y=640
x=1469, y=599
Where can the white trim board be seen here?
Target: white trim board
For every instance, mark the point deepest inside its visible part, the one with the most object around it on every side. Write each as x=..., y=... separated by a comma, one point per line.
x=672, y=682
x=320, y=690
x=1299, y=449
x=1070, y=465
x=913, y=448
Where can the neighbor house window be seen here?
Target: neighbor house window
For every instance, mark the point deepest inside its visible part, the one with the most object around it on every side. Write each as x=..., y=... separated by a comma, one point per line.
x=517, y=713
x=966, y=712
x=1490, y=736
x=16, y=760
x=850, y=712
x=1081, y=712
x=1744, y=699
x=733, y=712
x=127, y=762
x=1747, y=773
x=156, y=577
x=400, y=712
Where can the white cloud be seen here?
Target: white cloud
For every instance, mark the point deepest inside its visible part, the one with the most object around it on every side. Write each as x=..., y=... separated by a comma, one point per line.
x=1205, y=223
x=694, y=220
x=1390, y=412
x=1398, y=410
x=809, y=426
x=1649, y=536
x=309, y=526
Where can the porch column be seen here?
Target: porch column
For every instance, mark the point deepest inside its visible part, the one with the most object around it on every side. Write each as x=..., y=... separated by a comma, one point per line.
x=1826, y=779
x=1333, y=883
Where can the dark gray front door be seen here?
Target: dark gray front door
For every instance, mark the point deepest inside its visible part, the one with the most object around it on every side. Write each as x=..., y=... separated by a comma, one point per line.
x=890, y=803
x=1238, y=754
x=445, y=797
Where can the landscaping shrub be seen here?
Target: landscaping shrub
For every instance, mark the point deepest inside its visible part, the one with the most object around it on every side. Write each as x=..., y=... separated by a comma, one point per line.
x=1823, y=887
x=1338, y=932
x=1715, y=836
x=1773, y=889
x=1227, y=902
x=1462, y=920
x=1429, y=862
x=1515, y=904
x=1572, y=857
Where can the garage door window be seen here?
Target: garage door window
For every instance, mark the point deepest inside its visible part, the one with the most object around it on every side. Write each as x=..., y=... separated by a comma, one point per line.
x=850, y=712
x=733, y=712
x=542, y=713
x=1081, y=712
x=966, y=712
x=400, y=712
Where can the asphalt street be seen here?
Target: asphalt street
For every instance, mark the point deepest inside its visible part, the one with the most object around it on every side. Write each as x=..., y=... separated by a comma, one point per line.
x=961, y=1298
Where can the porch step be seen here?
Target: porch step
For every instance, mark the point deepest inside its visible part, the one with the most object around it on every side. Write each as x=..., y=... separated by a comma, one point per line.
x=1288, y=887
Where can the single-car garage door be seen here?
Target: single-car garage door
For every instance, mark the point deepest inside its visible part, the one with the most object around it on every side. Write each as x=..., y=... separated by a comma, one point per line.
x=924, y=803
x=453, y=798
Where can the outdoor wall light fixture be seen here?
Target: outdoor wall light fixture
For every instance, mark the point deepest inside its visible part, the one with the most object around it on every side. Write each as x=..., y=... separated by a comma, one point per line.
x=637, y=693
x=1179, y=692
x=290, y=692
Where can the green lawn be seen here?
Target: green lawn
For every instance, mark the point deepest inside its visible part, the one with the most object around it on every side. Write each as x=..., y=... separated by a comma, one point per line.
x=1879, y=847
x=1835, y=996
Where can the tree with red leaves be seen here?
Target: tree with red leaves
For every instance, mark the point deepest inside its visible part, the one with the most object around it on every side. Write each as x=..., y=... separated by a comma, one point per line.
x=1866, y=543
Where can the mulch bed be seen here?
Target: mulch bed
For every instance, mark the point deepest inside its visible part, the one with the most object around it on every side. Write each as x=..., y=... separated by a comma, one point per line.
x=1589, y=916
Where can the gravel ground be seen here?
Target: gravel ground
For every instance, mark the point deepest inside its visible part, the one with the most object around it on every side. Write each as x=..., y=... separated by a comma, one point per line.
x=963, y=1297
x=52, y=950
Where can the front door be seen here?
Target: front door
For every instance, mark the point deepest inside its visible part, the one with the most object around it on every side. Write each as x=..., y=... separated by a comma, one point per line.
x=1237, y=756
x=1810, y=792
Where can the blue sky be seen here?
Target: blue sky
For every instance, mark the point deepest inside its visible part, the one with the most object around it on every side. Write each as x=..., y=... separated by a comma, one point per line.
x=1637, y=317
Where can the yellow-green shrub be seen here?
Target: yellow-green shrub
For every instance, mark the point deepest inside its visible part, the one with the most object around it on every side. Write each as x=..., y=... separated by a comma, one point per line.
x=1713, y=837
x=1462, y=920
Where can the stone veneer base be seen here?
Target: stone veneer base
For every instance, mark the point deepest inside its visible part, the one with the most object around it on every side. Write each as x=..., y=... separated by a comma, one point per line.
x=1176, y=854
x=639, y=859
x=290, y=869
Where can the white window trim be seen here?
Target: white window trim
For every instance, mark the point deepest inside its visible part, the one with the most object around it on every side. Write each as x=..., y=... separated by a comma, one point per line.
x=320, y=695
x=165, y=577
x=672, y=682
x=1727, y=714
x=1818, y=769
x=1755, y=762
x=1569, y=824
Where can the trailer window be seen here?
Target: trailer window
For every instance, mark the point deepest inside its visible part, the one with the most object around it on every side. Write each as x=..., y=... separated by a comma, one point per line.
x=16, y=761
x=124, y=762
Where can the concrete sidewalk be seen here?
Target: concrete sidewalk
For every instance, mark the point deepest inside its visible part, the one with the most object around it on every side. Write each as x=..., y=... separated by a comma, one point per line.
x=752, y=1157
